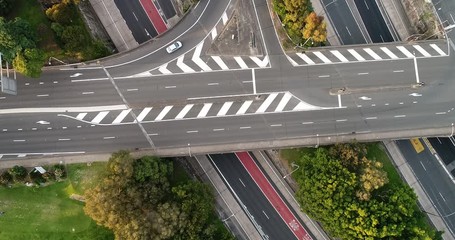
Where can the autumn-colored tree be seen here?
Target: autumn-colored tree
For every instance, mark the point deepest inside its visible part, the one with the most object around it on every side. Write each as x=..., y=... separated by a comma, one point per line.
x=315, y=28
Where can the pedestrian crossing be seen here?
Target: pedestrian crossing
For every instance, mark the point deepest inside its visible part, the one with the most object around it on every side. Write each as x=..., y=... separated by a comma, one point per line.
x=196, y=61
x=244, y=105
x=346, y=54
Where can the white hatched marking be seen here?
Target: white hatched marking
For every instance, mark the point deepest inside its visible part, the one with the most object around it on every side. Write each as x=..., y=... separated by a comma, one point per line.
x=305, y=58
x=372, y=54
x=389, y=53
x=241, y=63
x=1, y=156
x=322, y=57
x=163, y=69
x=163, y=113
x=121, y=116
x=267, y=103
x=421, y=50
x=224, y=108
x=81, y=116
x=100, y=117
x=184, y=111
x=405, y=51
x=259, y=62
x=183, y=66
x=356, y=55
x=143, y=114
x=435, y=47
x=339, y=55
x=304, y=106
x=225, y=18
x=287, y=96
x=196, y=59
x=220, y=62
x=205, y=109
x=214, y=33
x=244, y=107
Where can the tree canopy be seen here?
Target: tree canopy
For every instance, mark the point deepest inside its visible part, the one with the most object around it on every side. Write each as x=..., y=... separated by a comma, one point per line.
x=137, y=200
x=351, y=197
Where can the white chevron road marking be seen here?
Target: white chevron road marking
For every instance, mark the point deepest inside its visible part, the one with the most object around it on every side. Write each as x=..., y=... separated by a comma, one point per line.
x=163, y=69
x=196, y=59
x=241, y=63
x=356, y=55
x=305, y=58
x=99, y=117
x=121, y=116
x=220, y=62
x=261, y=63
x=183, y=66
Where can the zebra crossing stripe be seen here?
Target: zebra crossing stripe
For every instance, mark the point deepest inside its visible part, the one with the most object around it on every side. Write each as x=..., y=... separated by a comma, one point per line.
x=241, y=63
x=214, y=33
x=305, y=58
x=356, y=55
x=163, y=69
x=304, y=106
x=339, y=55
x=1, y=156
x=287, y=96
x=389, y=53
x=405, y=51
x=260, y=63
x=322, y=57
x=196, y=59
x=225, y=18
x=225, y=108
x=121, y=116
x=143, y=114
x=184, y=111
x=99, y=117
x=183, y=66
x=267, y=103
x=220, y=62
x=163, y=113
x=421, y=50
x=437, y=49
x=244, y=107
x=372, y=54
x=205, y=109
x=81, y=116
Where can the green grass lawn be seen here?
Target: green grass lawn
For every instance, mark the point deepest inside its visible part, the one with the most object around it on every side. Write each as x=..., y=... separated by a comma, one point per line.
x=47, y=213
x=83, y=176
x=376, y=152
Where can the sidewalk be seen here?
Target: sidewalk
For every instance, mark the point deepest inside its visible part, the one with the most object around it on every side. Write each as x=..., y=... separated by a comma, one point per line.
x=424, y=201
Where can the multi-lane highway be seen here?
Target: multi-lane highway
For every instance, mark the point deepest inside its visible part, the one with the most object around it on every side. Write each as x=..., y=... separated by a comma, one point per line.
x=148, y=98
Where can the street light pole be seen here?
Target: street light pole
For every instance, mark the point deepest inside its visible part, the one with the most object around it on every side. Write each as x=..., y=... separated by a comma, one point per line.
x=293, y=165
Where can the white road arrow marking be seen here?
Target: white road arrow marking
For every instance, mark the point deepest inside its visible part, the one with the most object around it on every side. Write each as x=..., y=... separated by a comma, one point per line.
x=76, y=75
x=43, y=122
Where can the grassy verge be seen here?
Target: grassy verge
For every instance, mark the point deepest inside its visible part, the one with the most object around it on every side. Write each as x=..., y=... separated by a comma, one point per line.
x=83, y=176
x=376, y=152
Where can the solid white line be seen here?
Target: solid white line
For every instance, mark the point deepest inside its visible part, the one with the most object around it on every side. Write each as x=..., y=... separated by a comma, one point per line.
x=421, y=50
x=248, y=127
x=167, y=87
x=424, y=168
x=389, y=53
x=43, y=95
x=249, y=81
x=132, y=89
x=242, y=182
x=205, y=109
x=323, y=76
x=225, y=108
x=276, y=125
x=371, y=118
x=19, y=140
x=244, y=107
x=183, y=66
x=287, y=96
x=184, y=111
x=339, y=56
x=163, y=113
x=305, y=58
x=399, y=116
x=163, y=69
x=437, y=49
x=153, y=134
x=121, y=116
x=398, y=71
x=339, y=101
x=86, y=93
x=372, y=53
x=64, y=139
x=213, y=84
x=356, y=55
x=99, y=117
x=196, y=59
x=105, y=138
x=405, y=51
x=442, y=196
x=441, y=113
x=192, y=131
x=224, y=18
x=267, y=103
x=363, y=73
x=220, y=62
x=81, y=116
x=240, y=62
x=341, y=120
x=63, y=109
x=305, y=123
x=322, y=57
x=218, y=129
x=90, y=80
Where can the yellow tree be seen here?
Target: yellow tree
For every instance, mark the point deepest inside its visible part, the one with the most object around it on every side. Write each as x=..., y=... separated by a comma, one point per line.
x=315, y=28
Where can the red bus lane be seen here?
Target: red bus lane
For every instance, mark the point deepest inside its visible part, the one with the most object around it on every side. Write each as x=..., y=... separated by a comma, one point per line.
x=272, y=195
x=154, y=15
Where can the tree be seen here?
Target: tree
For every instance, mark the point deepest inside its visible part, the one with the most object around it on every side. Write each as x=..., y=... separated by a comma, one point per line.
x=18, y=173
x=5, y=178
x=5, y=7
x=29, y=62
x=315, y=28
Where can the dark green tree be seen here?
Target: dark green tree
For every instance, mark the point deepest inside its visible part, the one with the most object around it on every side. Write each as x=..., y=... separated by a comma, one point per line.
x=19, y=173
x=5, y=7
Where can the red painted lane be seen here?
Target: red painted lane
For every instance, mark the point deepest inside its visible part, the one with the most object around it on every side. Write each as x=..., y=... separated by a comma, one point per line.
x=154, y=16
x=272, y=195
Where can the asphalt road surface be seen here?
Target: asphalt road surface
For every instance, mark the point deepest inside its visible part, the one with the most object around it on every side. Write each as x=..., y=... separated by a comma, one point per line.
x=137, y=20
x=374, y=21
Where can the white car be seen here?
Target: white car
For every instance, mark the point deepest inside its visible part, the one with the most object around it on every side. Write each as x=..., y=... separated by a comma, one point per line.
x=174, y=47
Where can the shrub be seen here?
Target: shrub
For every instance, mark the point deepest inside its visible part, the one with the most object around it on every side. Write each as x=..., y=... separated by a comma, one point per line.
x=18, y=173
x=5, y=178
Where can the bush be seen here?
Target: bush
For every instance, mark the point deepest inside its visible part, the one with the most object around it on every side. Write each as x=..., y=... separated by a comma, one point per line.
x=59, y=171
x=18, y=173
x=5, y=178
